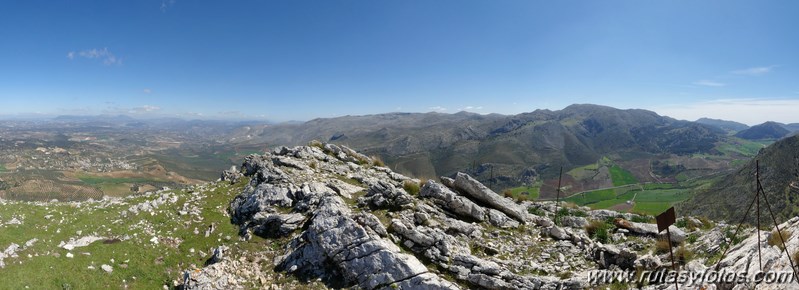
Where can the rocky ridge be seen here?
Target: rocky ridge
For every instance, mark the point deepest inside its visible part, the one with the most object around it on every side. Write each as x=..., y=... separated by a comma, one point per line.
x=345, y=222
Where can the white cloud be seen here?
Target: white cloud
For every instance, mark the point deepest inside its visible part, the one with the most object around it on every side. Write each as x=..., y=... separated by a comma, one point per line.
x=144, y=109
x=748, y=111
x=471, y=108
x=753, y=71
x=104, y=55
x=166, y=4
x=709, y=83
x=437, y=109
x=148, y=91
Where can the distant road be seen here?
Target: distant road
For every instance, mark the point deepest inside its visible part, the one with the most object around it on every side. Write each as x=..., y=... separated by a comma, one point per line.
x=584, y=191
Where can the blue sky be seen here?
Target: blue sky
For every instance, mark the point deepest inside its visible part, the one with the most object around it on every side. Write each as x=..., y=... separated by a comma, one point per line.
x=297, y=60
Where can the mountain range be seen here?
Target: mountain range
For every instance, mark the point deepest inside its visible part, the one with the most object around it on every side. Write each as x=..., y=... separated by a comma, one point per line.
x=503, y=150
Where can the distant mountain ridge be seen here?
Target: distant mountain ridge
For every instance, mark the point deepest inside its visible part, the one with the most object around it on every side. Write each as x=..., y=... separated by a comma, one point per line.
x=511, y=147
x=767, y=130
x=729, y=126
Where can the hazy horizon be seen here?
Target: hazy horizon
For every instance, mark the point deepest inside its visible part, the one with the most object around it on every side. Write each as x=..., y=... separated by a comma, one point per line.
x=266, y=120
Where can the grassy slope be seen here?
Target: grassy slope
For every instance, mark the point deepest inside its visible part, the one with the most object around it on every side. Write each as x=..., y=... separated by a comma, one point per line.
x=138, y=263
x=621, y=176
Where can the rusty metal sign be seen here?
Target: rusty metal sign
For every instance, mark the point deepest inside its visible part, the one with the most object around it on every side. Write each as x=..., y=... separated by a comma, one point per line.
x=666, y=219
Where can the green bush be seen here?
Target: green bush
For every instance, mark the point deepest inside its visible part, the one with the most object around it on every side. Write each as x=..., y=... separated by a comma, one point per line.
x=642, y=219
x=691, y=238
x=598, y=230
x=376, y=161
x=411, y=187
x=535, y=211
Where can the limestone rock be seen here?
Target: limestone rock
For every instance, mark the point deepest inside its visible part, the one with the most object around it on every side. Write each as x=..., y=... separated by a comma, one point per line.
x=677, y=235
x=609, y=255
x=231, y=175
x=451, y=201
x=480, y=192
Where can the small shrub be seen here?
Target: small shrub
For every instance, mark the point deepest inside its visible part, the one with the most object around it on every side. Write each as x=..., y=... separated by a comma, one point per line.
x=563, y=212
x=376, y=161
x=411, y=187
x=662, y=246
x=313, y=165
x=730, y=235
x=683, y=255
x=507, y=193
x=706, y=223
x=317, y=144
x=579, y=213
x=565, y=275
x=598, y=230
x=774, y=238
x=363, y=160
x=795, y=257
x=691, y=238
x=536, y=211
x=642, y=219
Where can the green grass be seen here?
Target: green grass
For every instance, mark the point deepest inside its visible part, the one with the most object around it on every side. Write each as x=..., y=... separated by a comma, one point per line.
x=607, y=203
x=592, y=197
x=533, y=191
x=2, y=167
x=651, y=186
x=742, y=147
x=148, y=266
x=651, y=202
x=584, y=171
x=651, y=208
x=621, y=176
x=662, y=195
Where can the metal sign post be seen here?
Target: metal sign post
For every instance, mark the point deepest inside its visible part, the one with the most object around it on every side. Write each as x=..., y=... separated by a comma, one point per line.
x=664, y=220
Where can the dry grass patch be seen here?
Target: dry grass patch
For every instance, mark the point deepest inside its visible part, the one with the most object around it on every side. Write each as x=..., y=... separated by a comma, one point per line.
x=774, y=238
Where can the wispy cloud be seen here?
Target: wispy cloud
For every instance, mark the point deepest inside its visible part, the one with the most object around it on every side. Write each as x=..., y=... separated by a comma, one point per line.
x=144, y=109
x=437, y=109
x=103, y=55
x=471, y=108
x=166, y=4
x=754, y=71
x=147, y=91
x=709, y=83
x=750, y=111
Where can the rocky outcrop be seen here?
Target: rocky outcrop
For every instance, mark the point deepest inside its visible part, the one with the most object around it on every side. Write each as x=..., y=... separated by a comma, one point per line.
x=350, y=224
x=231, y=175
x=341, y=221
x=677, y=235
x=358, y=253
x=481, y=193
x=452, y=202
x=608, y=256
